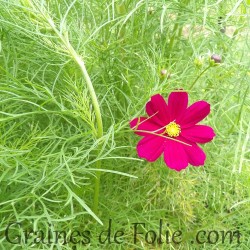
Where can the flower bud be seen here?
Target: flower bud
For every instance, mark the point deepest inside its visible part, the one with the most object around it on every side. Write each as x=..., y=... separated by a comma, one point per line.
x=223, y=30
x=216, y=58
x=164, y=73
x=198, y=62
x=150, y=10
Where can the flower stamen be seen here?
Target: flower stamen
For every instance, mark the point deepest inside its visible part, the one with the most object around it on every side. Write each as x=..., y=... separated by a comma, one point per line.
x=173, y=129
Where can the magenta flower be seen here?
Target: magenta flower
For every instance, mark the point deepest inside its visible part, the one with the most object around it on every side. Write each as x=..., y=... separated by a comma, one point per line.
x=172, y=129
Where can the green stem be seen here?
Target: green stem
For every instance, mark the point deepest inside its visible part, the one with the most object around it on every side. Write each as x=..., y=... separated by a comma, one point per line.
x=99, y=133
x=79, y=61
x=240, y=112
x=97, y=188
x=177, y=26
x=171, y=43
x=198, y=77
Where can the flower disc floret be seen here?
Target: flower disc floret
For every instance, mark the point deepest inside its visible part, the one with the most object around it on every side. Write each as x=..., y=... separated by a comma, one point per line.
x=173, y=129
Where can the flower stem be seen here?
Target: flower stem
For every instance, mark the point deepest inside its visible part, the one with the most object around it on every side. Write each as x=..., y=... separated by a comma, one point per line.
x=97, y=187
x=99, y=130
x=198, y=77
x=177, y=30
x=171, y=43
x=80, y=62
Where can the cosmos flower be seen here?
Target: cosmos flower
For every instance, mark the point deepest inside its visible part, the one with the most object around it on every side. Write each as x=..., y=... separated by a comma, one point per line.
x=171, y=129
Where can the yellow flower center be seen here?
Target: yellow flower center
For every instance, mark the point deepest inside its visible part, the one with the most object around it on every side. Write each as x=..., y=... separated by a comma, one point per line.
x=173, y=129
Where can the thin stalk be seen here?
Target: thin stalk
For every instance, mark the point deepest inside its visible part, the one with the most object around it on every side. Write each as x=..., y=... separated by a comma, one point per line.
x=97, y=187
x=81, y=64
x=98, y=115
x=198, y=77
x=240, y=112
x=177, y=26
x=99, y=132
x=171, y=43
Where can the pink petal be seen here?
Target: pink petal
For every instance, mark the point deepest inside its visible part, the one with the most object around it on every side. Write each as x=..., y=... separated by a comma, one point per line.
x=194, y=114
x=158, y=109
x=196, y=156
x=144, y=123
x=175, y=156
x=150, y=147
x=198, y=133
x=177, y=104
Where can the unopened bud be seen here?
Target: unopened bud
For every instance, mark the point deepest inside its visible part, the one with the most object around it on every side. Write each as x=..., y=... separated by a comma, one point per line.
x=198, y=62
x=216, y=58
x=164, y=73
x=150, y=10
